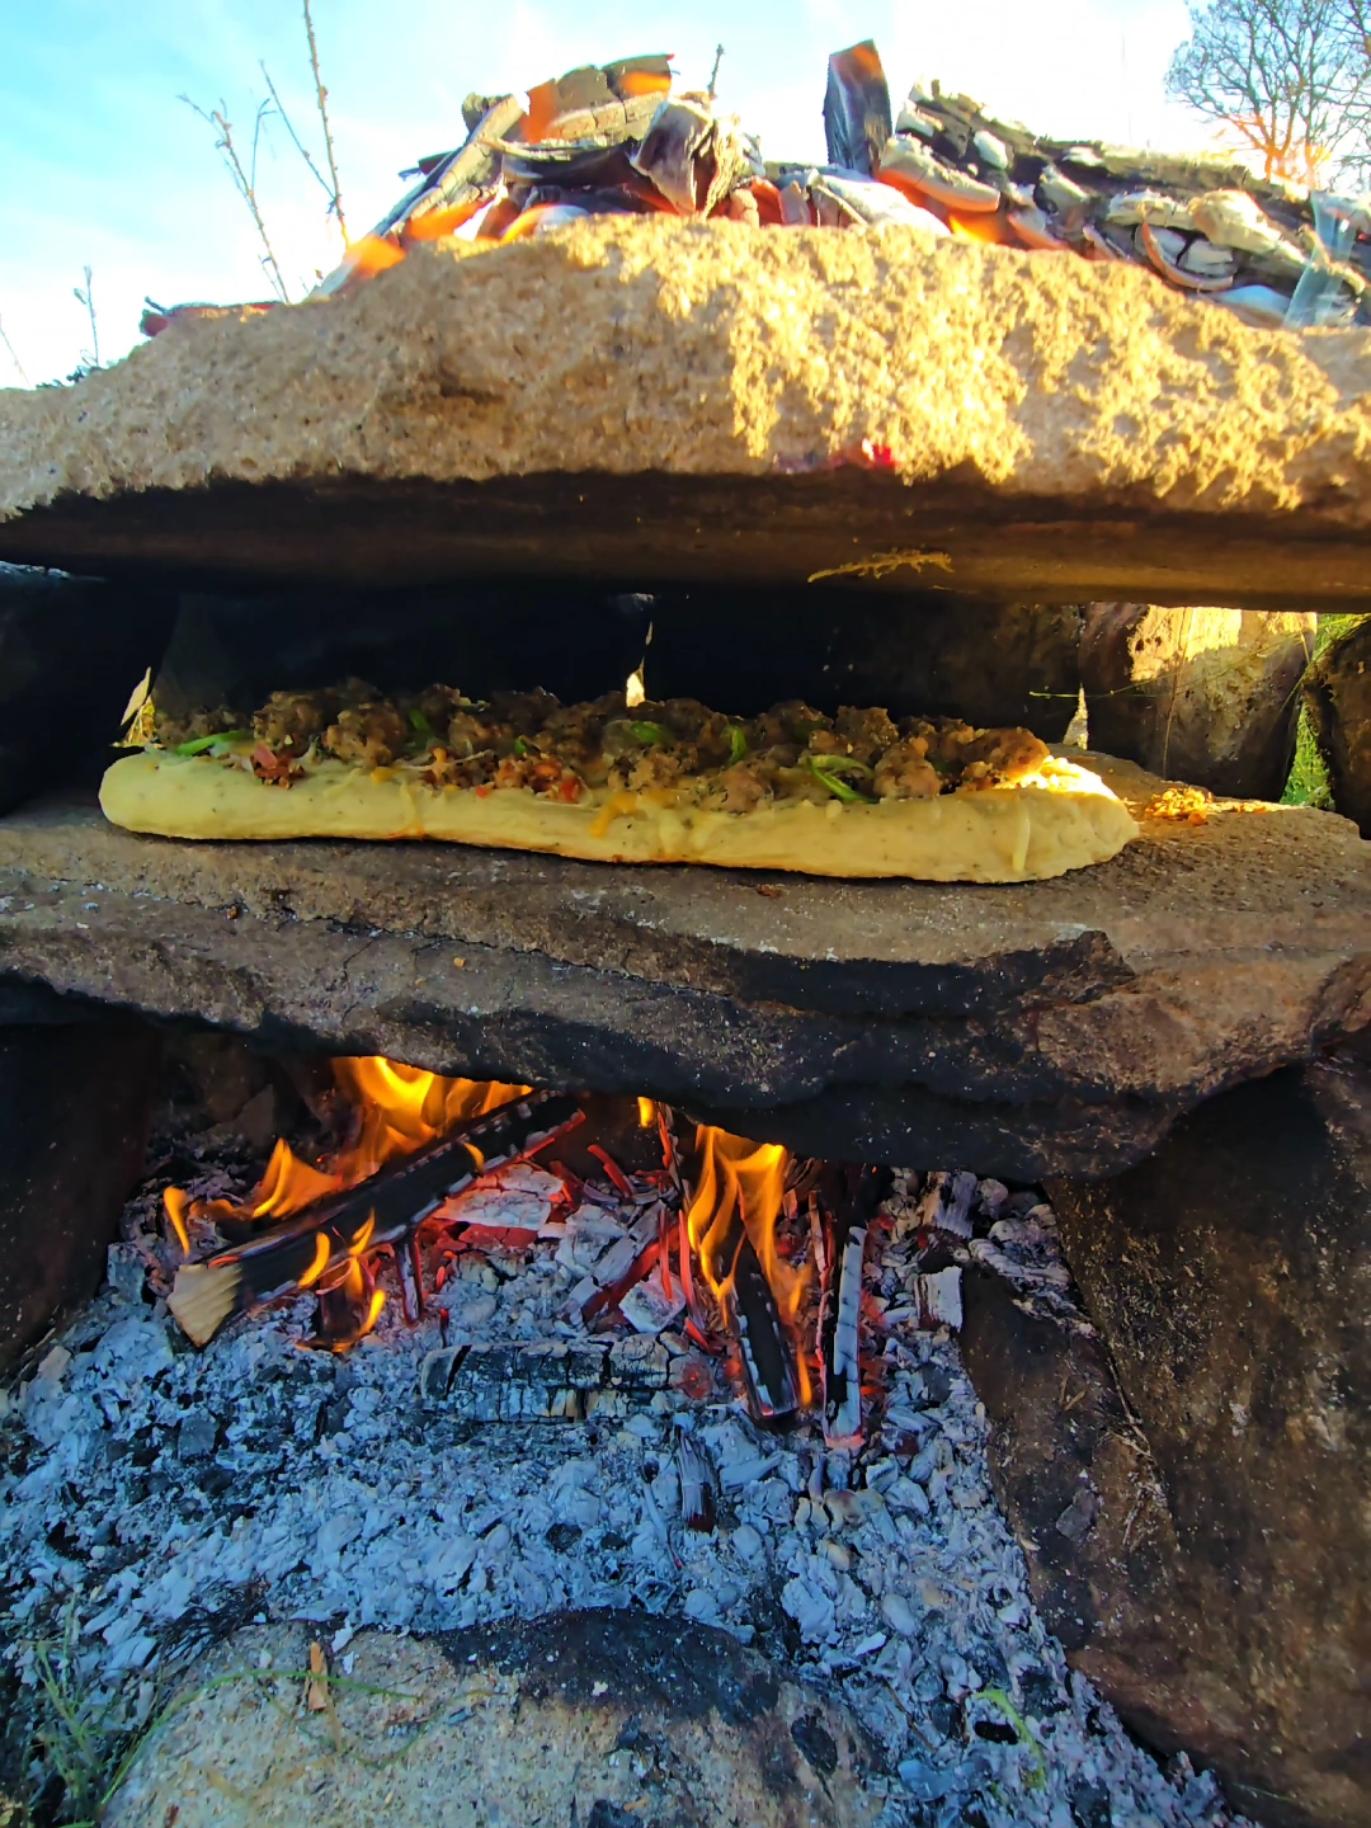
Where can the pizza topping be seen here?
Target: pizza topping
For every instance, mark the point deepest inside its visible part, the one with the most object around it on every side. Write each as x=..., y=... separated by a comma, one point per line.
x=275, y=770
x=674, y=751
x=218, y=744
x=904, y=772
x=829, y=770
x=174, y=731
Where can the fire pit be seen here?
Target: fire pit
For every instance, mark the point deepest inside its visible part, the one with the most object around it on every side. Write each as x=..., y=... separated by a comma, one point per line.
x=520, y=1238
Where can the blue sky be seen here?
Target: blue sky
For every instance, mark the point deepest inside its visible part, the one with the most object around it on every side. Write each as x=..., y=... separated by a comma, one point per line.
x=102, y=165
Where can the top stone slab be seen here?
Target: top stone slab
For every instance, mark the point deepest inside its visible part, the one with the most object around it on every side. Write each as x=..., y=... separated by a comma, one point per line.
x=651, y=400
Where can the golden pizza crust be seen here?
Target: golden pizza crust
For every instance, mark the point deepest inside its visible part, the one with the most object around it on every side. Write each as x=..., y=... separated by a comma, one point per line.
x=1062, y=818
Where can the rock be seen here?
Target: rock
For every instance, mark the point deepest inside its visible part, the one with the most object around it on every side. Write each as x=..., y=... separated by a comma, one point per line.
x=990, y=663
x=1218, y=1595
x=75, y=1103
x=1337, y=691
x=597, y=1717
x=71, y=653
x=664, y=399
x=1201, y=695
x=1059, y=1026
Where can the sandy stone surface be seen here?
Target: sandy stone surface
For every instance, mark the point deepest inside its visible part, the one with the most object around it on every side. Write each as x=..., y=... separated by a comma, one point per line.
x=607, y=1719
x=1051, y=1027
x=919, y=395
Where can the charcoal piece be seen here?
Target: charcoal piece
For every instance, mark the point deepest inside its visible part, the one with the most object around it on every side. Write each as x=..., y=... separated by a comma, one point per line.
x=545, y=1381
x=693, y=158
x=856, y=109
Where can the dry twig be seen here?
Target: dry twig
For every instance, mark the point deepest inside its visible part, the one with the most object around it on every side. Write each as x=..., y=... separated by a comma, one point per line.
x=87, y=298
x=321, y=97
x=296, y=141
x=245, y=182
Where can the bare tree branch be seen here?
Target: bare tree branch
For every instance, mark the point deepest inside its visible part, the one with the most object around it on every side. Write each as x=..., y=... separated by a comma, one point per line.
x=13, y=354
x=1291, y=77
x=321, y=97
x=217, y=119
x=296, y=141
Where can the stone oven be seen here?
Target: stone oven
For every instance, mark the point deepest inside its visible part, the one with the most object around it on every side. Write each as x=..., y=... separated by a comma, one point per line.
x=843, y=468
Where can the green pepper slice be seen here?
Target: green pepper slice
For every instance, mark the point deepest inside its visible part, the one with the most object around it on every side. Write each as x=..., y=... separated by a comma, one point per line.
x=829, y=770
x=199, y=744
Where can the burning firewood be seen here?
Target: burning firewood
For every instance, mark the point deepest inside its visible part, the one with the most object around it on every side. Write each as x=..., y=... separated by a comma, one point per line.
x=731, y=1196
x=323, y=1245
x=767, y=1360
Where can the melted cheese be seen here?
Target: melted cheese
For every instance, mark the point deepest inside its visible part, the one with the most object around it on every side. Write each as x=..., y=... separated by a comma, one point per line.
x=1061, y=818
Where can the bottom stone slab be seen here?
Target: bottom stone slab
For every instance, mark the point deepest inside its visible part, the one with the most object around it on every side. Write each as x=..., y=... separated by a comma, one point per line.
x=1057, y=1027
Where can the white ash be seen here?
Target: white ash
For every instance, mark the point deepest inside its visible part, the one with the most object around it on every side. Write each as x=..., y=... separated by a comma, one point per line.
x=156, y=1496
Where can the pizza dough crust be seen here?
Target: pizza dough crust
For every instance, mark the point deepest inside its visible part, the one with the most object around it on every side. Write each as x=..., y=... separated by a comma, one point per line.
x=1063, y=818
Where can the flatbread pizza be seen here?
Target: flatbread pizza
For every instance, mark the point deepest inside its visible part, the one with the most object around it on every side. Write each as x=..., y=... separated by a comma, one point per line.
x=858, y=794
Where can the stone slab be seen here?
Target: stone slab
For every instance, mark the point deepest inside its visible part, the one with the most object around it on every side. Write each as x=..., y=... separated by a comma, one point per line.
x=1217, y=1425
x=75, y=1107
x=602, y=1718
x=1058, y=1026
x=658, y=400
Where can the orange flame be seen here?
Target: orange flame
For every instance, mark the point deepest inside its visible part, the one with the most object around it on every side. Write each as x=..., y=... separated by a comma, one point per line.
x=432, y=224
x=399, y=1109
x=641, y=82
x=982, y=228
x=647, y=1113
x=740, y=1191
x=373, y=254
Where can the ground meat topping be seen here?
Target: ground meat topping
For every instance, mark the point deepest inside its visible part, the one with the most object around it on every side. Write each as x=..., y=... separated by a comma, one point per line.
x=676, y=748
x=373, y=734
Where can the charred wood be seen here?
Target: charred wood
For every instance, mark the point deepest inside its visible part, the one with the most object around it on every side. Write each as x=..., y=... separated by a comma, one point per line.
x=549, y=1381
x=857, y=1202
x=856, y=108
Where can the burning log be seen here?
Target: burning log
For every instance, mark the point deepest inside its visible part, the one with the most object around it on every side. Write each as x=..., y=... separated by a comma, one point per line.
x=721, y=1267
x=447, y=194
x=323, y=1245
x=840, y=1310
